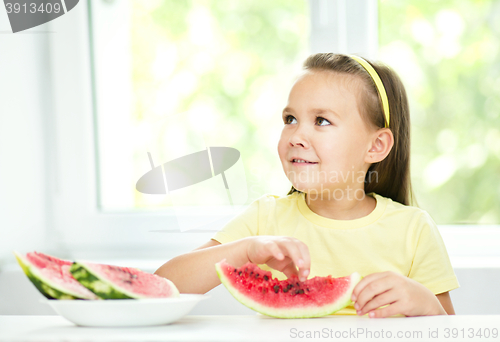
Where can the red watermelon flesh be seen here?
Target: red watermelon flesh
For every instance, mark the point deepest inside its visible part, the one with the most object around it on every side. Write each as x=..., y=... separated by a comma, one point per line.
x=290, y=298
x=51, y=276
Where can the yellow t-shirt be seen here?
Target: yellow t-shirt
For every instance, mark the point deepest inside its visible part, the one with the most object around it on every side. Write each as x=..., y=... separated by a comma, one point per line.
x=393, y=237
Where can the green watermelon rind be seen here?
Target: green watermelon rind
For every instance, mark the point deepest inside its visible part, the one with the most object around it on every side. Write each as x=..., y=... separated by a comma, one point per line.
x=46, y=287
x=299, y=312
x=102, y=287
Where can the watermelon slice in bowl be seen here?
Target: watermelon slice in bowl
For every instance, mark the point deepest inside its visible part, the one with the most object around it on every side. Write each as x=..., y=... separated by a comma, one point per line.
x=290, y=298
x=133, y=298
x=116, y=282
x=51, y=276
x=156, y=300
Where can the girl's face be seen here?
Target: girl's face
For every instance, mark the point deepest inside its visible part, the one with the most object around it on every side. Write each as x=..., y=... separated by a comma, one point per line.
x=322, y=125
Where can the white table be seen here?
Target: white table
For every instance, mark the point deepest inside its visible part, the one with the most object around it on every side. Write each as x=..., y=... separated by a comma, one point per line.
x=257, y=328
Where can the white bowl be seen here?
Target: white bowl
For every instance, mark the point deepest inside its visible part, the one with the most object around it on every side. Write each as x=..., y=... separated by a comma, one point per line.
x=125, y=312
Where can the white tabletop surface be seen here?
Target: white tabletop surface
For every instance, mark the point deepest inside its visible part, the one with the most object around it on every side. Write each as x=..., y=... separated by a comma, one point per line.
x=260, y=328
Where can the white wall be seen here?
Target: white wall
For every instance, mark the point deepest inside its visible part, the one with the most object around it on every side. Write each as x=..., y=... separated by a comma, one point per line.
x=24, y=95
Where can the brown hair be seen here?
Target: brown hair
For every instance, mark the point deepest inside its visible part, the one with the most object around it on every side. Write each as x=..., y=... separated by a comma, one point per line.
x=393, y=172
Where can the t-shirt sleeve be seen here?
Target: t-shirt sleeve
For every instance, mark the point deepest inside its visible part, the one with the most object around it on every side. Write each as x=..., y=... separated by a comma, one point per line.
x=431, y=264
x=243, y=225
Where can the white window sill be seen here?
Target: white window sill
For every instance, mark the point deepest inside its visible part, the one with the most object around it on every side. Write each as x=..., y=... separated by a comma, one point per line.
x=472, y=246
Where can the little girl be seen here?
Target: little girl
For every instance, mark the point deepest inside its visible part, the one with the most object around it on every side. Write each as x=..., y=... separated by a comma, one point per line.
x=345, y=148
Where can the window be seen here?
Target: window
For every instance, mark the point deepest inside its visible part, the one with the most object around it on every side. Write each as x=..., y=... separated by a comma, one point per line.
x=447, y=54
x=194, y=75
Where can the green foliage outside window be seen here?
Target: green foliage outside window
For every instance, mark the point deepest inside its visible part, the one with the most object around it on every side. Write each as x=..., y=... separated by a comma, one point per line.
x=447, y=53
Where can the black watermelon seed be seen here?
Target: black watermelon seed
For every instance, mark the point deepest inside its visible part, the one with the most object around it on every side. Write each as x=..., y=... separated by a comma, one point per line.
x=276, y=288
x=239, y=273
x=307, y=289
x=285, y=290
x=290, y=286
x=266, y=278
x=301, y=291
x=235, y=270
x=251, y=272
x=298, y=284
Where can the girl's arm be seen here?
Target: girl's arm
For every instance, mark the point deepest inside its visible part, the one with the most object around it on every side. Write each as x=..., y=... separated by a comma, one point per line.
x=210, y=243
x=194, y=272
x=445, y=300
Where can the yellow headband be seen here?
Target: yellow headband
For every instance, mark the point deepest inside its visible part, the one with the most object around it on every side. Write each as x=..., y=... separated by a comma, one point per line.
x=378, y=83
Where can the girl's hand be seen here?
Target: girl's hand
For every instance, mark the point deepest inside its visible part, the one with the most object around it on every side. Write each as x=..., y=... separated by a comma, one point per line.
x=404, y=296
x=282, y=253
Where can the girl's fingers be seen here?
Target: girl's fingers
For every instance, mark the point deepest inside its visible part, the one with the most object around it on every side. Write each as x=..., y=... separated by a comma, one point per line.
x=371, y=290
x=295, y=254
x=284, y=254
x=388, y=311
x=290, y=270
x=275, y=251
x=304, y=251
x=365, y=282
x=380, y=300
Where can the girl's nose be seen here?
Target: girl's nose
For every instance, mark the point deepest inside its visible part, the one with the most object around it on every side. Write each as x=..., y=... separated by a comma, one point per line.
x=297, y=144
x=298, y=139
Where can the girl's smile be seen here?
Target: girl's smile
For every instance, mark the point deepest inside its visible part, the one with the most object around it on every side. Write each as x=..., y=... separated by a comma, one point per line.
x=300, y=162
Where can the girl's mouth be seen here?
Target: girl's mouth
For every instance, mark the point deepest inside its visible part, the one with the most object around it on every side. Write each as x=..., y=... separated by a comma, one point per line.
x=301, y=162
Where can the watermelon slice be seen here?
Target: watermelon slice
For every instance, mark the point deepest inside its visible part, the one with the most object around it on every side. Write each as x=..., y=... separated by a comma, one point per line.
x=290, y=298
x=115, y=282
x=51, y=276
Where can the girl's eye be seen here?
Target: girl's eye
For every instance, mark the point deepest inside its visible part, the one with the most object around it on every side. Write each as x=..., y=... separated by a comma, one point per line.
x=319, y=118
x=287, y=119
